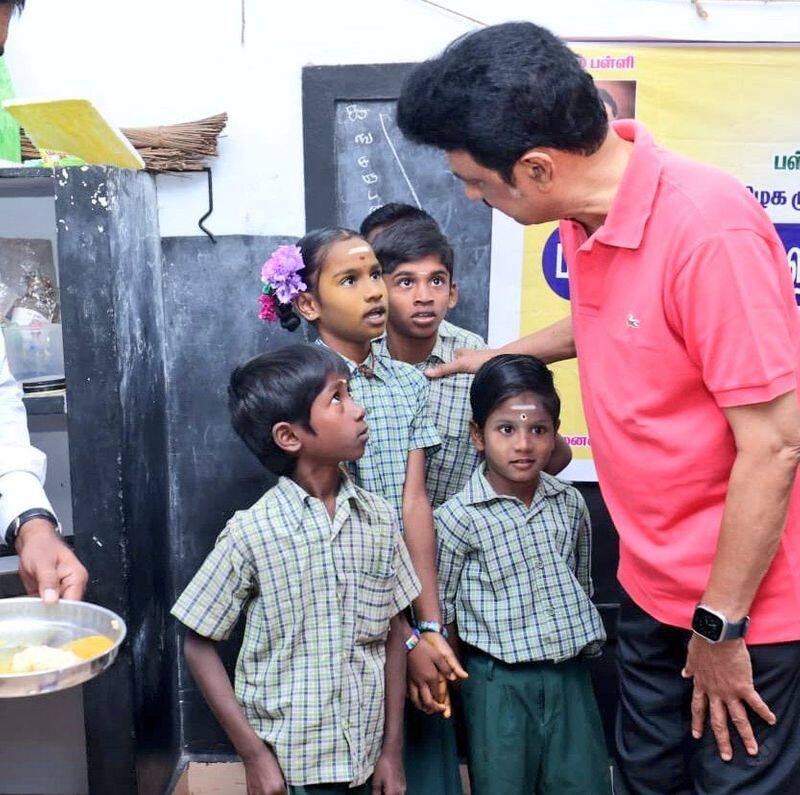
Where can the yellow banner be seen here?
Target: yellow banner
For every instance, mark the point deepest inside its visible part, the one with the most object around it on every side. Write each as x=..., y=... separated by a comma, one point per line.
x=731, y=106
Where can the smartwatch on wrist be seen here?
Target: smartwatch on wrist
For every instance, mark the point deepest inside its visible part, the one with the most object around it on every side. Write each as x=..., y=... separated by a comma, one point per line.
x=13, y=529
x=715, y=628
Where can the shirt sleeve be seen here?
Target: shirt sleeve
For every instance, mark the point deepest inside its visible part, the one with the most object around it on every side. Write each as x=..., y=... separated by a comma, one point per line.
x=407, y=588
x=217, y=595
x=733, y=304
x=452, y=546
x=423, y=429
x=22, y=466
x=583, y=549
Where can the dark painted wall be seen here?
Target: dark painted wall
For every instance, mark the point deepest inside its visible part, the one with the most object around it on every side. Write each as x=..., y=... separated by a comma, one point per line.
x=110, y=259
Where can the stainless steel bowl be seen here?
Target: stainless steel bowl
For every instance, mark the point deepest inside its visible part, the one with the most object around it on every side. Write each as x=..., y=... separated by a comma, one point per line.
x=28, y=620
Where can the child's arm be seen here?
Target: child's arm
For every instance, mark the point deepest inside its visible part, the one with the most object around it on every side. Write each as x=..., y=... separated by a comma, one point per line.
x=562, y=455
x=264, y=776
x=421, y=542
x=420, y=536
x=389, y=776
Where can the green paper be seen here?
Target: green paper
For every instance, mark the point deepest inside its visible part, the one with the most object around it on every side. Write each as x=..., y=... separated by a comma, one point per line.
x=10, y=148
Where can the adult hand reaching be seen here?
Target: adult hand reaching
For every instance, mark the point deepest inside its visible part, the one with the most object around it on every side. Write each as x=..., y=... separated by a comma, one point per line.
x=47, y=566
x=467, y=360
x=723, y=687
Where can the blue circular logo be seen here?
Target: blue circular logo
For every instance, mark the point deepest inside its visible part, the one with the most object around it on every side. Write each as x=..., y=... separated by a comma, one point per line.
x=554, y=266
x=790, y=237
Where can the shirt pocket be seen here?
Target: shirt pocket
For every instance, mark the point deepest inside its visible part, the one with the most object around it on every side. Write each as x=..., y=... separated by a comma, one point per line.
x=375, y=585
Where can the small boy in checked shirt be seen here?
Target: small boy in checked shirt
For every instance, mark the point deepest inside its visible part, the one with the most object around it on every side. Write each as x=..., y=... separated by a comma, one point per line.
x=514, y=575
x=319, y=569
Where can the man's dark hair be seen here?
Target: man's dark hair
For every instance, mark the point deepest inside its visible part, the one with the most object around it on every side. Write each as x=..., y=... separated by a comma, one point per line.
x=607, y=99
x=274, y=387
x=411, y=241
x=498, y=92
x=507, y=375
x=391, y=213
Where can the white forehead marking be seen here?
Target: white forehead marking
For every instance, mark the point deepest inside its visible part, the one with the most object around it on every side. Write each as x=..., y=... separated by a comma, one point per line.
x=528, y=407
x=359, y=250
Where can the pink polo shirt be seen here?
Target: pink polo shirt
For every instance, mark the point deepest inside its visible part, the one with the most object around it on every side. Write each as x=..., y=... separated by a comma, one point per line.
x=682, y=305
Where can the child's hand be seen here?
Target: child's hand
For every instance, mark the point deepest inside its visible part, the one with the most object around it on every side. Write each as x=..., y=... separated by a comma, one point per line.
x=264, y=775
x=389, y=777
x=427, y=688
x=444, y=657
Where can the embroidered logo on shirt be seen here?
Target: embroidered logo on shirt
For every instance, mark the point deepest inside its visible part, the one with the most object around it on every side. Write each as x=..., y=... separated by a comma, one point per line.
x=633, y=321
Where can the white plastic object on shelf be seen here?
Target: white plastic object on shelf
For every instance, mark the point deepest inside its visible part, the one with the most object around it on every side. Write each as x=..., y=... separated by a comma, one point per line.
x=35, y=351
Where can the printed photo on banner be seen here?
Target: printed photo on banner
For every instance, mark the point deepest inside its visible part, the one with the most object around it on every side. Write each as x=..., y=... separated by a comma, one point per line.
x=682, y=93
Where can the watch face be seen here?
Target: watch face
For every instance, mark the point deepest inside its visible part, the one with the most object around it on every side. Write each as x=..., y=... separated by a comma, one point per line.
x=707, y=624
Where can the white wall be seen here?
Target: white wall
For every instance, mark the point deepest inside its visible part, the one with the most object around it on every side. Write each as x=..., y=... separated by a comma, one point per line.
x=149, y=62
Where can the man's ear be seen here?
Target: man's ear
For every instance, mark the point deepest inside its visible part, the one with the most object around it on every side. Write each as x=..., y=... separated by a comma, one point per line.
x=453, y=294
x=308, y=306
x=535, y=166
x=284, y=436
x=476, y=434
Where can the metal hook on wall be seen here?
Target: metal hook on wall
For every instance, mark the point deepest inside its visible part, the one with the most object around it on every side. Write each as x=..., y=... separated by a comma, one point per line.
x=210, y=205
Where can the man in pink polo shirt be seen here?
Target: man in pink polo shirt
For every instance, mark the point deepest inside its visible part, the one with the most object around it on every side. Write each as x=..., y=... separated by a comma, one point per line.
x=688, y=341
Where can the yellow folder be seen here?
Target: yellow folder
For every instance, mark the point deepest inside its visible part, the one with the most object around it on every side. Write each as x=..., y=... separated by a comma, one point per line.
x=74, y=127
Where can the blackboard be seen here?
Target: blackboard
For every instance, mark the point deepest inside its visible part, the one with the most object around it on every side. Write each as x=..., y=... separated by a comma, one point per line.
x=356, y=159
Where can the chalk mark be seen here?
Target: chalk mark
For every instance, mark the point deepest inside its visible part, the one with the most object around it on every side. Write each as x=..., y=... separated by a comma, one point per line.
x=382, y=117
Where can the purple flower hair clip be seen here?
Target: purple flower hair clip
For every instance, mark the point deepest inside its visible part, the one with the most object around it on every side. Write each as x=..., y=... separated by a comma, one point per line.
x=282, y=283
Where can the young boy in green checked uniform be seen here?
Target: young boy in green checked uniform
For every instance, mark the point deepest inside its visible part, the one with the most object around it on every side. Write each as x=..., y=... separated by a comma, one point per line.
x=418, y=262
x=514, y=574
x=320, y=572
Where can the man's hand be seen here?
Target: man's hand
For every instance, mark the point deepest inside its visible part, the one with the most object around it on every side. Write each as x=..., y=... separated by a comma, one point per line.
x=263, y=774
x=467, y=360
x=723, y=685
x=389, y=777
x=47, y=566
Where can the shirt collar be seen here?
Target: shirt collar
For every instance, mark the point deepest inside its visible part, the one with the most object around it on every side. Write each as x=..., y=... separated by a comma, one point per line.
x=380, y=353
x=297, y=497
x=478, y=489
x=439, y=352
x=632, y=206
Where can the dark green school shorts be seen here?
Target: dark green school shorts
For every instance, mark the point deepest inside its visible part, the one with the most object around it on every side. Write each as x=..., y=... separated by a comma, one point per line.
x=533, y=728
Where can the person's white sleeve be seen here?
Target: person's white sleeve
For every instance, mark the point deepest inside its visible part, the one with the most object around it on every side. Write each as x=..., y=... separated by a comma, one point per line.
x=22, y=466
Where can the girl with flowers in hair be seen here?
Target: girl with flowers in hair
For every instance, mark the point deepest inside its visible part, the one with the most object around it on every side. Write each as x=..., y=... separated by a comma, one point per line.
x=333, y=280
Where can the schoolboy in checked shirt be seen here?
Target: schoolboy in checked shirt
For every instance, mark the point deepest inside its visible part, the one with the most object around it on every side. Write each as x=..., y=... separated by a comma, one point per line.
x=417, y=262
x=514, y=575
x=320, y=571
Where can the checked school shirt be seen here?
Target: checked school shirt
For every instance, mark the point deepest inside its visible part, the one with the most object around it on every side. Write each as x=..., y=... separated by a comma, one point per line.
x=450, y=467
x=517, y=579
x=396, y=402
x=317, y=594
